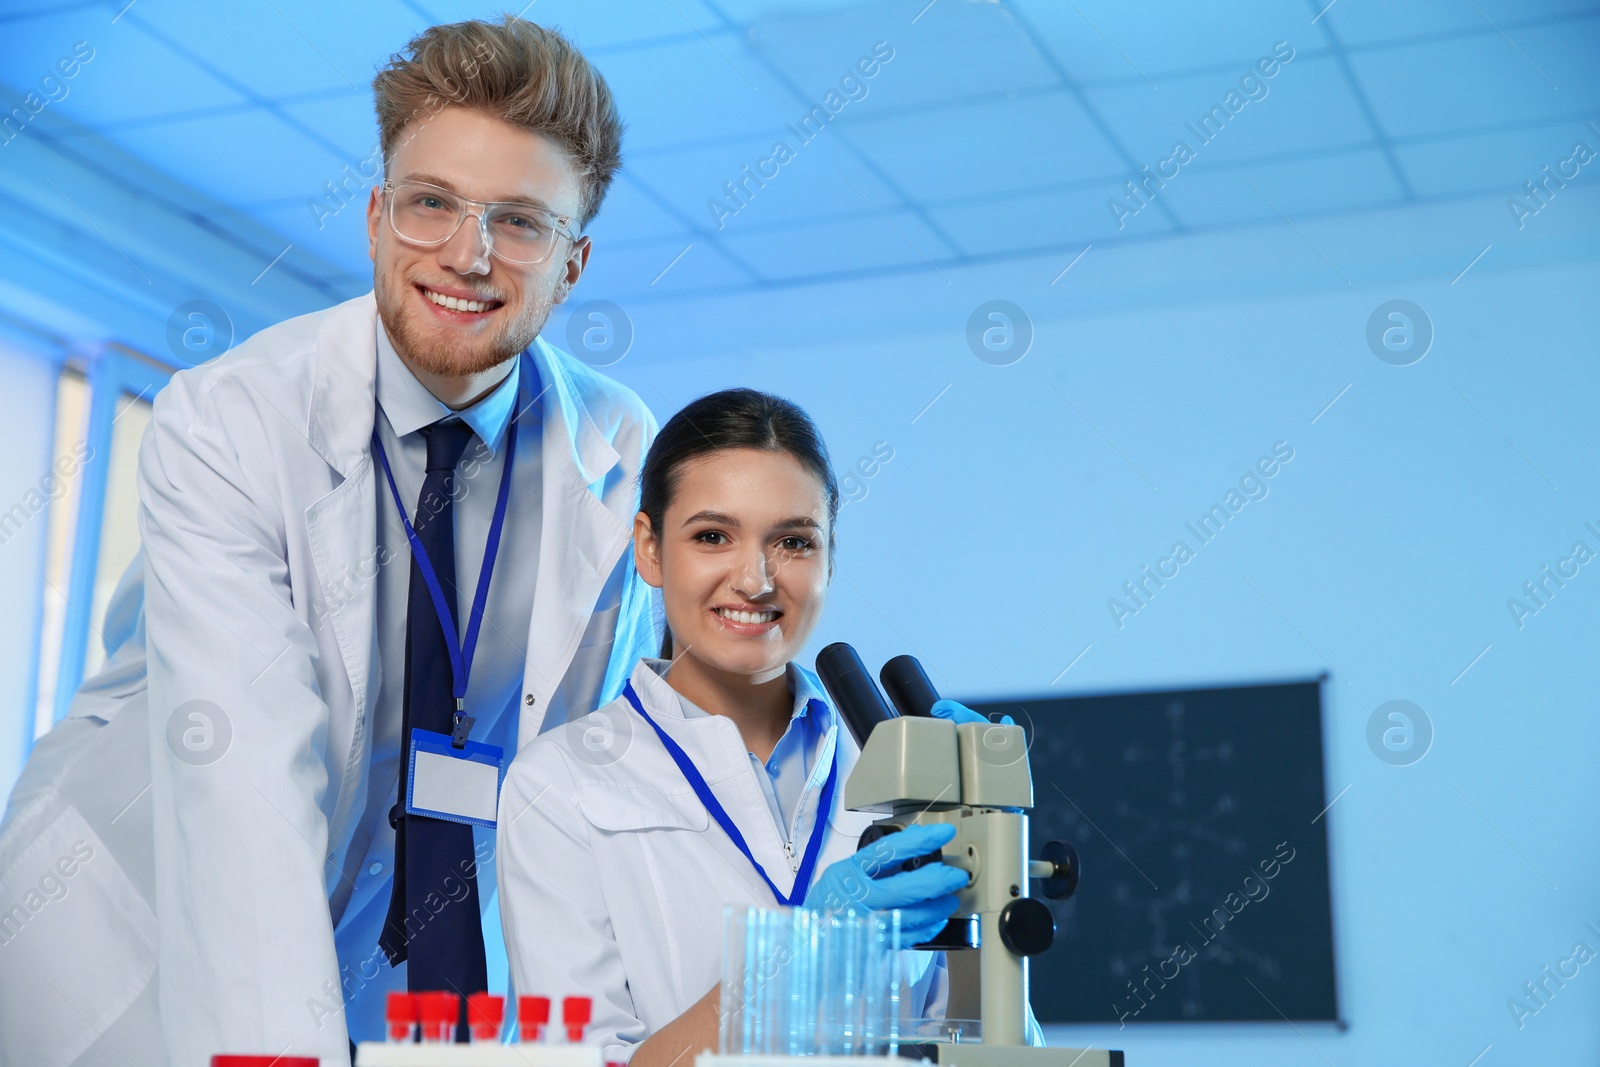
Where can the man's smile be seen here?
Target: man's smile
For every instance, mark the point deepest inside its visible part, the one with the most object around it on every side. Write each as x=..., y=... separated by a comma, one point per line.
x=458, y=303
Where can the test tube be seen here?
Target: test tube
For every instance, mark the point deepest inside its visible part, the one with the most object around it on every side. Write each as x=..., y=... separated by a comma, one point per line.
x=895, y=980
x=775, y=980
x=827, y=984
x=801, y=983
x=852, y=958
x=751, y=1004
x=400, y=1012
x=767, y=1007
x=575, y=1012
x=730, y=1014
x=533, y=1013
x=485, y=1014
x=883, y=981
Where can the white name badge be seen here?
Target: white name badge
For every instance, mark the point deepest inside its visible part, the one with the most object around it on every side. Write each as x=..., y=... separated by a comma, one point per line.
x=455, y=784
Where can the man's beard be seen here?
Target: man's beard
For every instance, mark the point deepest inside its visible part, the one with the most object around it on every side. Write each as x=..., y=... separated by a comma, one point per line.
x=464, y=357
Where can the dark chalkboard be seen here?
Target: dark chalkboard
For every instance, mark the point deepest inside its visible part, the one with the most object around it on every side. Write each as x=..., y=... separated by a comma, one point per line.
x=1199, y=817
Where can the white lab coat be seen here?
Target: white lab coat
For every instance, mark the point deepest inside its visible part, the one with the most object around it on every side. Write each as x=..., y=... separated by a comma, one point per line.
x=613, y=877
x=258, y=517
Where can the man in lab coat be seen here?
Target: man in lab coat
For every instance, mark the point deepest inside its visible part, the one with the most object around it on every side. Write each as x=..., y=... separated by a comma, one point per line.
x=201, y=857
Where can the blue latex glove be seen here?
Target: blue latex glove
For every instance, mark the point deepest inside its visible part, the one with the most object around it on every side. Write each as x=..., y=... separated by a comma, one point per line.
x=871, y=879
x=959, y=713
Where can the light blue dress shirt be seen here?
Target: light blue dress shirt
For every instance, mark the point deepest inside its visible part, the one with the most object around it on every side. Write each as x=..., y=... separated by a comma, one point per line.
x=408, y=407
x=783, y=776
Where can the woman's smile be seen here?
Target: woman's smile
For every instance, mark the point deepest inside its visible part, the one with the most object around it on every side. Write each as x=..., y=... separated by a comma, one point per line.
x=751, y=621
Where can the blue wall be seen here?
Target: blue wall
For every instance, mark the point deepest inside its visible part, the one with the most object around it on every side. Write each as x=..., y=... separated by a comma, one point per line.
x=1385, y=552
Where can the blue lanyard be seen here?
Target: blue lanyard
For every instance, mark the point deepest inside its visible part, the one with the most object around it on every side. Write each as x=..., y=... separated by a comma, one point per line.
x=697, y=782
x=460, y=654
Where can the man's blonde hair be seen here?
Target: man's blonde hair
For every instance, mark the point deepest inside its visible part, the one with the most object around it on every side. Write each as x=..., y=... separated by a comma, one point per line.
x=517, y=71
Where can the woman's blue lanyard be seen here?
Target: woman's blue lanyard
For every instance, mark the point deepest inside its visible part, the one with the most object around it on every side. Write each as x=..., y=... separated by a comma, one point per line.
x=697, y=782
x=460, y=653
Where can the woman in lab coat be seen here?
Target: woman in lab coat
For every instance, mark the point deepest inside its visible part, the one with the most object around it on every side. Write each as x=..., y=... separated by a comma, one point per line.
x=622, y=837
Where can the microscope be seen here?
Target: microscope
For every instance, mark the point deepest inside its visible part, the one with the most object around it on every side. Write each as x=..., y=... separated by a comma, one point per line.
x=915, y=768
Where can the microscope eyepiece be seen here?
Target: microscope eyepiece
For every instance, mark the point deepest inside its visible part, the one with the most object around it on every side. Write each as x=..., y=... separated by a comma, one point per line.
x=908, y=686
x=852, y=690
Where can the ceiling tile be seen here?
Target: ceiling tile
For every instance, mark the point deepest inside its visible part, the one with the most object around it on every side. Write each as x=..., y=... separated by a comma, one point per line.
x=1306, y=104
x=890, y=239
x=651, y=269
x=1062, y=219
x=694, y=90
x=591, y=26
x=1210, y=198
x=272, y=47
x=1100, y=39
x=952, y=51
x=1502, y=160
x=1368, y=23
x=628, y=214
x=128, y=75
x=743, y=11
x=343, y=119
x=821, y=177
x=1483, y=80
x=237, y=159
x=989, y=148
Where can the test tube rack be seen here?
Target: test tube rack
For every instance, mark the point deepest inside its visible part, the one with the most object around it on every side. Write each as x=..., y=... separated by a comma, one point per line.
x=387, y=1054
x=436, y=1016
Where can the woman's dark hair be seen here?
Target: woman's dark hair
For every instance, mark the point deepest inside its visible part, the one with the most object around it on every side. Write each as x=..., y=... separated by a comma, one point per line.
x=732, y=418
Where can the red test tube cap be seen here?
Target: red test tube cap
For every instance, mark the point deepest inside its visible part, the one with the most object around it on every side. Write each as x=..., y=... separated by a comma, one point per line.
x=532, y=1015
x=400, y=1011
x=263, y=1061
x=485, y=1013
x=439, y=1012
x=533, y=1010
x=433, y=1007
x=575, y=1013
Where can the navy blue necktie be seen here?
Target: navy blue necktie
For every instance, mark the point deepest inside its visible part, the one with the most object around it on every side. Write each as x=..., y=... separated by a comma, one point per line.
x=433, y=920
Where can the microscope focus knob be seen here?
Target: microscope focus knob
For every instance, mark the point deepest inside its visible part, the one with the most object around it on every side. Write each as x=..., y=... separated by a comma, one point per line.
x=879, y=830
x=1026, y=927
x=1063, y=857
